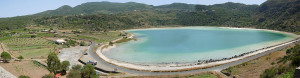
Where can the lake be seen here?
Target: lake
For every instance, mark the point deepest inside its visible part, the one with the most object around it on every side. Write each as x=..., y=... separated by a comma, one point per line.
x=190, y=44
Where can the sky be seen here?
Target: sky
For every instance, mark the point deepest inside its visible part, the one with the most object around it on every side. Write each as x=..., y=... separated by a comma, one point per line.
x=11, y=8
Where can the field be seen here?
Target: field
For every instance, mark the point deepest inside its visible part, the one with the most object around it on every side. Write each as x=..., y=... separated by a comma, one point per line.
x=29, y=47
x=100, y=36
x=28, y=68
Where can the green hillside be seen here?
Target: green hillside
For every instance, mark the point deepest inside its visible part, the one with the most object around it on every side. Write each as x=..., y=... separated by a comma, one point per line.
x=102, y=16
x=280, y=14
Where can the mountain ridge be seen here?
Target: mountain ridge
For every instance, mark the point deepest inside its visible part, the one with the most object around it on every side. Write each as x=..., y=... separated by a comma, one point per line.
x=273, y=14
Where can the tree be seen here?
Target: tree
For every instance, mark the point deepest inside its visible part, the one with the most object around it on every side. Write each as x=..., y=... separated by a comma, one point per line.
x=51, y=75
x=110, y=43
x=53, y=63
x=76, y=67
x=65, y=66
x=75, y=72
x=296, y=61
x=5, y=56
x=23, y=76
x=88, y=71
x=20, y=57
x=82, y=43
x=33, y=36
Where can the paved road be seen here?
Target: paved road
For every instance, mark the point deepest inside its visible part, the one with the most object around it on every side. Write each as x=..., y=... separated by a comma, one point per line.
x=136, y=72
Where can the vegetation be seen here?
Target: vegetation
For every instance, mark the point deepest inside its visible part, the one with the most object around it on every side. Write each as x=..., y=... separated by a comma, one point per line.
x=5, y=56
x=51, y=75
x=65, y=67
x=88, y=71
x=29, y=47
x=20, y=58
x=75, y=72
x=23, y=76
x=82, y=43
x=70, y=42
x=102, y=16
x=55, y=66
x=53, y=63
x=283, y=70
x=279, y=15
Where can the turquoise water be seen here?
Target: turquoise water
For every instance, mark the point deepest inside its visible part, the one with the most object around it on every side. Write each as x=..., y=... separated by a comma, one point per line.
x=190, y=44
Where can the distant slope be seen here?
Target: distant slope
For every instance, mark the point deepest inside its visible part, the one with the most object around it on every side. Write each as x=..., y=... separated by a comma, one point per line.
x=175, y=6
x=97, y=8
x=112, y=8
x=227, y=14
x=280, y=14
x=63, y=10
x=101, y=16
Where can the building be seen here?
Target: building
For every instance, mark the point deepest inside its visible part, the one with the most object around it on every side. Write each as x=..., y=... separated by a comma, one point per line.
x=45, y=30
x=60, y=41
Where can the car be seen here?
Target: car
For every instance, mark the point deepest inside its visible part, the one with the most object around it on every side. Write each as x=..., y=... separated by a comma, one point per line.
x=92, y=63
x=85, y=53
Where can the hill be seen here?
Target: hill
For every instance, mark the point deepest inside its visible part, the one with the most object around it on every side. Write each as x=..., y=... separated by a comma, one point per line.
x=112, y=8
x=102, y=16
x=97, y=8
x=282, y=15
x=228, y=14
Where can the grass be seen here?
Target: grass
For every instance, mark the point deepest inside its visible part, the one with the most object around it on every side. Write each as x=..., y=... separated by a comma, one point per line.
x=5, y=38
x=29, y=47
x=36, y=63
x=87, y=37
x=99, y=37
x=24, y=36
x=35, y=53
x=45, y=35
x=123, y=40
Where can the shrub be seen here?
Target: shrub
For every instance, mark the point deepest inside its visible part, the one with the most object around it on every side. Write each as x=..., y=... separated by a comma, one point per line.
x=272, y=63
x=23, y=76
x=82, y=43
x=111, y=43
x=70, y=42
x=88, y=71
x=20, y=57
x=75, y=72
x=33, y=36
x=76, y=67
x=244, y=64
x=5, y=56
x=51, y=75
x=269, y=73
x=229, y=70
x=65, y=66
x=296, y=61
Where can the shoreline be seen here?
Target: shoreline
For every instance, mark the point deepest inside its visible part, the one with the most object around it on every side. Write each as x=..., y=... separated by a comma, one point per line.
x=198, y=65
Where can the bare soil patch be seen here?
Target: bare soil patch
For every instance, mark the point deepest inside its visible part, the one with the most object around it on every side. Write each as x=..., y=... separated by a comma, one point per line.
x=27, y=68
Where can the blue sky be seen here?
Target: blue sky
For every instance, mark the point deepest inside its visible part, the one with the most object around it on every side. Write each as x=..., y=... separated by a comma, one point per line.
x=10, y=8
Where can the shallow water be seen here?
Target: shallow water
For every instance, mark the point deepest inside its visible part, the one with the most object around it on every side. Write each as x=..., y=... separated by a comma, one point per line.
x=190, y=44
